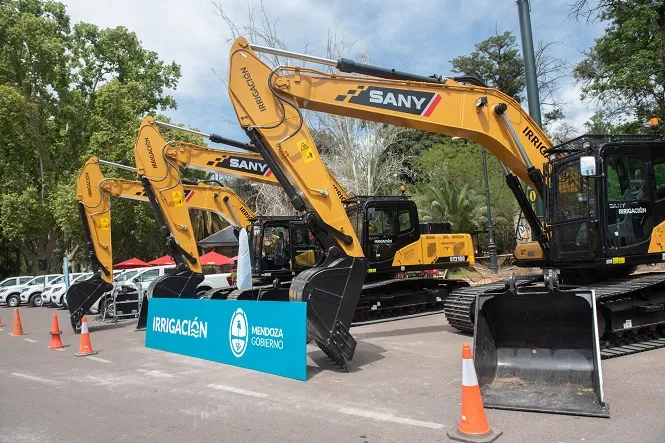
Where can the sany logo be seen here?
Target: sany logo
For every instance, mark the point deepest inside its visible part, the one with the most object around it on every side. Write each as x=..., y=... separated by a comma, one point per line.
x=250, y=166
x=402, y=100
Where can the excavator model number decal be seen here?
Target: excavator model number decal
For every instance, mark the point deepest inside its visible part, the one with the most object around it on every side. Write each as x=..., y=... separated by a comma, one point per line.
x=306, y=151
x=87, y=184
x=177, y=198
x=401, y=100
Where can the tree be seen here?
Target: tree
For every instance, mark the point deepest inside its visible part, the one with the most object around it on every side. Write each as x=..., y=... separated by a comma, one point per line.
x=623, y=72
x=498, y=62
x=453, y=202
x=67, y=93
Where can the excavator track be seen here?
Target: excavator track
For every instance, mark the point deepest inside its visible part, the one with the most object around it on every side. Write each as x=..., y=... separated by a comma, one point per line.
x=460, y=305
x=380, y=302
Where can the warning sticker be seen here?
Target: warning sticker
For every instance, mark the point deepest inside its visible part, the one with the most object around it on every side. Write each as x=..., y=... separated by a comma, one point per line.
x=532, y=196
x=306, y=151
x=177, y=198
x=104, y=222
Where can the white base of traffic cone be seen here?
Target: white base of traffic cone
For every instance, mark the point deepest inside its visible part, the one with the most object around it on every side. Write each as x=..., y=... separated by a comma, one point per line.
x=491, y=436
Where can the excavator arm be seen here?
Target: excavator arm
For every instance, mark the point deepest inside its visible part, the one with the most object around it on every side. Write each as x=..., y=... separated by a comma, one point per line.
x=246, y=164
x=95, y=212
x=94, y=192
x=197, y=195
x=445, y=106
x=275, y=127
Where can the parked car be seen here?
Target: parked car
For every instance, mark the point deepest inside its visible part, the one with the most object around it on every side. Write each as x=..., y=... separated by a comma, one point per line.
x=14, y=281
x=32, y=294
x=12, y=286
x=12, y=294
x=57, y=291
x=55, y=284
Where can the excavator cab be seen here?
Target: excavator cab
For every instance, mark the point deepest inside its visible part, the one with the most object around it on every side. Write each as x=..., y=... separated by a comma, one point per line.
x=384, y=225
x=537, y=345
x=281, y=246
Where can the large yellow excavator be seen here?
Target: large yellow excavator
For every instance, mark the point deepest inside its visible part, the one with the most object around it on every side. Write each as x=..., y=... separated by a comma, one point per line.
x=94, y=192
x=537, y=344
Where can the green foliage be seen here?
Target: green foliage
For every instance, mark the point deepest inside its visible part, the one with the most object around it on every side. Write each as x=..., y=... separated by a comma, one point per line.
x=453, y=202
x=496, y=61
x=67, y=93
x=624, y=71
x=460, y=163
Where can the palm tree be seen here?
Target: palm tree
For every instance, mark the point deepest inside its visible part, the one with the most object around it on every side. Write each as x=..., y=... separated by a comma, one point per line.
x=455, y=203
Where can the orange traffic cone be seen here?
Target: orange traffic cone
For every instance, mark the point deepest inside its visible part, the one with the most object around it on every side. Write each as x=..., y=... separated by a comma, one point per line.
x=1, y=325
x=56, y=343
x=85, y=348
x=18, y=327
x=473, y=426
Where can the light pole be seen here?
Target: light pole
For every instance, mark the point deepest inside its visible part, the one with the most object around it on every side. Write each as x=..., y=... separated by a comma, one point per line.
x=490, y=226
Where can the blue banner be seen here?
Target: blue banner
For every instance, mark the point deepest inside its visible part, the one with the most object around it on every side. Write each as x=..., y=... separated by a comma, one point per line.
x=260, y=335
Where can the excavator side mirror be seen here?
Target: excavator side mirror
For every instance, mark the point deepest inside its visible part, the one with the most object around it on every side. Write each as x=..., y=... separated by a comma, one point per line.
x=588, y=166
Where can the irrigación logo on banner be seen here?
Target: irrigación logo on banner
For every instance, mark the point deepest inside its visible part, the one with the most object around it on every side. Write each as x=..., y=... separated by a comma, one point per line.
x=238, y=333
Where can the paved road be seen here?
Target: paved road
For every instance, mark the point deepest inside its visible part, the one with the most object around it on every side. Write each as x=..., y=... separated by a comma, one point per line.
x=403, y=387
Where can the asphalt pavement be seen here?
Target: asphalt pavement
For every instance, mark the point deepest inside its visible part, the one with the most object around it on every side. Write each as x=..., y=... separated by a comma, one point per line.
x=403, y=386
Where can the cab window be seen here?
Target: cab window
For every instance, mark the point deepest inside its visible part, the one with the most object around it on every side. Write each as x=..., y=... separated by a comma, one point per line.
x=149, y=275
x=23, y=280
x=659, y=176
x=37, y=281
x=382, y=223
x=625, y=178
x=405, y=221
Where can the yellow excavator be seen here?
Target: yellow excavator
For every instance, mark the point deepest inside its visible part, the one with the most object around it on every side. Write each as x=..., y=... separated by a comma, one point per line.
x=94, y=192
x=537, y=341
x=395, y=243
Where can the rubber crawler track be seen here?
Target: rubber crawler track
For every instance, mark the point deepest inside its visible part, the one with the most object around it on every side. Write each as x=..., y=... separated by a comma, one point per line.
x=459, y=311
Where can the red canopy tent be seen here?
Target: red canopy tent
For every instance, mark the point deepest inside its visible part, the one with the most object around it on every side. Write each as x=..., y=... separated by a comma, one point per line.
x=131, y=263
x=166, y=260
x=215, y=259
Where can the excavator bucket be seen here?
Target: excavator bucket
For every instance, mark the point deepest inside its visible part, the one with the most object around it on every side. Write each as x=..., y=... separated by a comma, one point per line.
x=536, y=349
x=82, y=295
x=331, y=291
x=181, y=282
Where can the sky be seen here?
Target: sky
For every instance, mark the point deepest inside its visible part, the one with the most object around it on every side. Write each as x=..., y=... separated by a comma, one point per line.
x=419, y=36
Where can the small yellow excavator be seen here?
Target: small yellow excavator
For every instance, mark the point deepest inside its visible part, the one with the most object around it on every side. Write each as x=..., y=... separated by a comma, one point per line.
x=94, y=192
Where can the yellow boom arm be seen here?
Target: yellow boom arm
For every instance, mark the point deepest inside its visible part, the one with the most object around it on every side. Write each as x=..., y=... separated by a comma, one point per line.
x=240, y=164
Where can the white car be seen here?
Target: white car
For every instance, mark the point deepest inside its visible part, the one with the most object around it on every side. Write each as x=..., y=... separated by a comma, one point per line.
x=13, y=285
x=55, y=284
x=119, y=279
x=57, y=289
x=32, y=293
